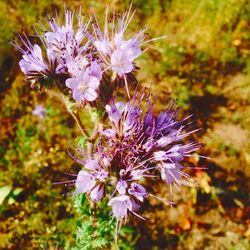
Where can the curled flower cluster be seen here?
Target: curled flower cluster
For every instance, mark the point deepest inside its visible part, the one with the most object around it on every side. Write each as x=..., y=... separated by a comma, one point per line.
x=79, y=57
x=133, y=147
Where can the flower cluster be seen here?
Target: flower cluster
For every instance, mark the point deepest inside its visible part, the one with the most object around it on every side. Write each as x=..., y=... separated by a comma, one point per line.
x=134, y=147
x=78, y=57
x=130, y=145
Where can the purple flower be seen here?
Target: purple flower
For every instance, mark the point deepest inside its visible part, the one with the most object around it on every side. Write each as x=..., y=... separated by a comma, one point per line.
x=91, y=180
x=117, y=53
x=85, y=182
x=39, y=111
x=121, y=205
x=144, y=143
x=101, y=175
x=175, y=153
x=32, y=63
x=133, y=146
x=84, y=83
x=123, y=116
x=121, y=186
x=91, y=164
x=122, y=58
x=138, y=191
x=138, y=146
x=66, y=56
x=137, y=174
x=171, y=173
x=63, y=43
x=97, y=193
x=115, y=111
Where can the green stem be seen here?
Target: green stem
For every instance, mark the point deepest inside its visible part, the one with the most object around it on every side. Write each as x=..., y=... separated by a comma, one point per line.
x=76, y=117
x=93, y=138
x=79, y=123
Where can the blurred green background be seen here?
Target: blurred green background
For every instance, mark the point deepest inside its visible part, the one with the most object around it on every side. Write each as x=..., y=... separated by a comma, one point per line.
x=204, y=63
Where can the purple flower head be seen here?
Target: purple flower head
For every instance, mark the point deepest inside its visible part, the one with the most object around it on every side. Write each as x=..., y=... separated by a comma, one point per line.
x=91, y=180
x=145, y=143
x=132, y=147
x=117, y=52
x=138, y=191
x=39, y=111
x=64, y=42
x=97, y=193
x=123, y=116
x=66, y=55
x=85, y=181
x=32, y=64
x=121, y=205
x=84, y=83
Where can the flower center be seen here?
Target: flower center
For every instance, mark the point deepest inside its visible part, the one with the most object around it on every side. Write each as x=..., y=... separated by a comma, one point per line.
x=82, y=86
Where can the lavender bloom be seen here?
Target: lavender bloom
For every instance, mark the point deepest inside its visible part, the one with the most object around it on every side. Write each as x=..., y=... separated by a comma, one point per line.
x=84, y=83
x=138, y=146
x=32, y=63
x=97, y=193
x=171, y=173
x=123, y=116
x=121, y=186
x=117, y=52
x=67, y=58
x=39, y=111
x=85, y=181
x=120, y=206
x=64, y=43
x=138, y=191
x=115, y=111
x=132, y=145
x=91, y=180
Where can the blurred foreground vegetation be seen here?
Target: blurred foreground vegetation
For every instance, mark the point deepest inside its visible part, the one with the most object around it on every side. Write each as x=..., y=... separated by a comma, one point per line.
x=204, y=63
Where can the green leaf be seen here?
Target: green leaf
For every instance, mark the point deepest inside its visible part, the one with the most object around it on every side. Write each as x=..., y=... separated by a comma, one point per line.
x=17, y=191
x=11, y=201
x=4, y=192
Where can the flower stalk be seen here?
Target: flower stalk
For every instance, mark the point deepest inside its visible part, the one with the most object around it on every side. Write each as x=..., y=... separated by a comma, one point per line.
x=75, y=114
